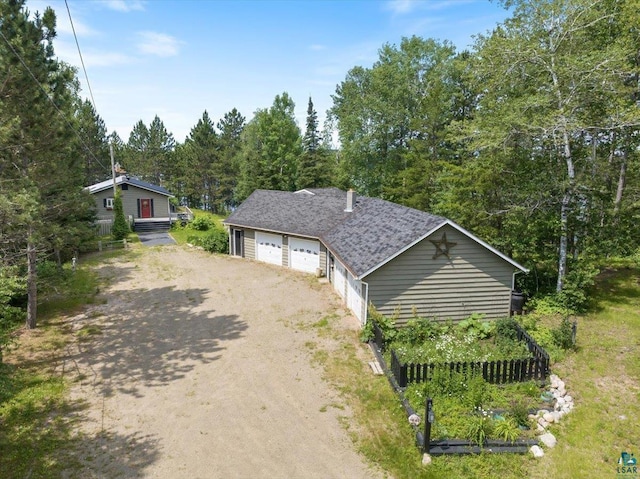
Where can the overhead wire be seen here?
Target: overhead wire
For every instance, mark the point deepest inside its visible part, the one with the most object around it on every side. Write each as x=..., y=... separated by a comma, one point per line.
x=86, y=76
x=24, y=64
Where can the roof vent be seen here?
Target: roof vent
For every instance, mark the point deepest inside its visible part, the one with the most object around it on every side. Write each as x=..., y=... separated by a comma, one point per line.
x=351, y=200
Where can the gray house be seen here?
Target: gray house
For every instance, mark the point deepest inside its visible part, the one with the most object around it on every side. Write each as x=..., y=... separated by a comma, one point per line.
x=145, y=204
x=401, y=260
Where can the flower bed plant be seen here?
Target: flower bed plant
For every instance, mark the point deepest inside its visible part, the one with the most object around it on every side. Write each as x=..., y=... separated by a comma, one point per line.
x=471, y=340
x=468, y=407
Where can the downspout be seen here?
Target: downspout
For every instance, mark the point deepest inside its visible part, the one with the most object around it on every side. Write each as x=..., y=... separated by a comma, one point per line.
x=366, y=303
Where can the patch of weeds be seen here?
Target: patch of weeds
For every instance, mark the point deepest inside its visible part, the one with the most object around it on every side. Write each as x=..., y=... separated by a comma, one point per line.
x=87, y=332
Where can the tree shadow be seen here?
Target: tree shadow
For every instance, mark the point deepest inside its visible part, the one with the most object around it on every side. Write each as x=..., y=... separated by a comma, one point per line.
x=150, y=338
x=39, y=438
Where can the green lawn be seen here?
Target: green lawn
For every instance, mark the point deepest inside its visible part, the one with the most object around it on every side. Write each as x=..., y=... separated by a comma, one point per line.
x=181, y=234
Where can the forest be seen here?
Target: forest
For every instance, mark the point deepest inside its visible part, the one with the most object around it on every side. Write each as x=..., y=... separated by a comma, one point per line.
x=530, y=140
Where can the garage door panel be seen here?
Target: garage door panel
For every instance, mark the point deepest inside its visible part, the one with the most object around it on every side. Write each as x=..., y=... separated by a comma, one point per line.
x=269, y=248
x=304, y=255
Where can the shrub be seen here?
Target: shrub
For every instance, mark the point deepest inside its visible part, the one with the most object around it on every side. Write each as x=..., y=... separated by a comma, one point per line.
x=506, y=329
x=120, y=227
x=419, y=330
x=386, y=324
x=217, y=241
x=475, y=327
x=201, y=223
x=563, y=335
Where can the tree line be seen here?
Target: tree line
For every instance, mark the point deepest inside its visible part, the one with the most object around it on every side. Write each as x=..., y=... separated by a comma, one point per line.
x=529, y=139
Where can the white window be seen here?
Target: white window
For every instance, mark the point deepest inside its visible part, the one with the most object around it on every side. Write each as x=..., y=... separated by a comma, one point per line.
x=108, y=203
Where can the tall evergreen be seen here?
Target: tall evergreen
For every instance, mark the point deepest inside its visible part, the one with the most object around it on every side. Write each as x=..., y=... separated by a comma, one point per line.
x=314, y=169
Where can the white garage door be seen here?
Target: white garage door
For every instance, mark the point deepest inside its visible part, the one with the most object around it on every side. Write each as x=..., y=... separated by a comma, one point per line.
x=269, y=248
x=354, y=297
x=339, y=278
x=304, y=255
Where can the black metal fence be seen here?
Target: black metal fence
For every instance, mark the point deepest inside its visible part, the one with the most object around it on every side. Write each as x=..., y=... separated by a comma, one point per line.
x=535, y=367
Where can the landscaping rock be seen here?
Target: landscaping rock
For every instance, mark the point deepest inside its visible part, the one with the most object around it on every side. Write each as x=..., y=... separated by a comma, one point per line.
x=536, y=451
x=548, y=439
x=542, y=422
x=548, y=417
x=426, y=459
x=540, y=428
x=568, y=399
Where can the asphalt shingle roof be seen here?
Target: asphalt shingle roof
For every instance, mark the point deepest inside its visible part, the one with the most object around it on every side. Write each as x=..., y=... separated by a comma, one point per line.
x=374, y=231
x=304, y=213
x=131, y=181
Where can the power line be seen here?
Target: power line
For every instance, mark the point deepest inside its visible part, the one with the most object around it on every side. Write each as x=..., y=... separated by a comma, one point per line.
x=24, y=64
x=81, y=59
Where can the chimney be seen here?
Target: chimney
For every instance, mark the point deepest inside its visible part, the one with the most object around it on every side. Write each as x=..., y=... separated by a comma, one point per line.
x=351, y=200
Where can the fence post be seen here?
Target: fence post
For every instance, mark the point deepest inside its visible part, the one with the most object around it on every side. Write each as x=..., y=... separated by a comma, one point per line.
x=99, y=245
x=428, y=419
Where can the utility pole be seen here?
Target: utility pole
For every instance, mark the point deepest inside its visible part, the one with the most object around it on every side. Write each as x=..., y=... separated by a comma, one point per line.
x=113, y=169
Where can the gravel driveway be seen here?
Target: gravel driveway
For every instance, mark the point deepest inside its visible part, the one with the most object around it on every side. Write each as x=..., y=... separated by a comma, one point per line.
x=199, y=366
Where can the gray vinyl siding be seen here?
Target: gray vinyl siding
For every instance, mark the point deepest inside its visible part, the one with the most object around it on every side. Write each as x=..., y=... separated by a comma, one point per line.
x=474, y=280
x=250, y=244
x=285, y=251
x=130, y=202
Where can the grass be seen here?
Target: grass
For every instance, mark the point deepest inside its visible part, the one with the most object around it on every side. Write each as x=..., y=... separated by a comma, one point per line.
x=181, y=234
x=38, y=436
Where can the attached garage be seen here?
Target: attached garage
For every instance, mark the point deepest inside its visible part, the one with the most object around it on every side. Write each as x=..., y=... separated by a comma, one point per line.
x=376, y=253
x=340, y=279
x=354, y=297
x=269, y=248
x=304, y=255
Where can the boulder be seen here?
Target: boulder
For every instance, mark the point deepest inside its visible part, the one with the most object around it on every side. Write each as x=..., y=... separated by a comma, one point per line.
x=548, y=417
x=426, y=459
x=536, y=451
x=548, y=439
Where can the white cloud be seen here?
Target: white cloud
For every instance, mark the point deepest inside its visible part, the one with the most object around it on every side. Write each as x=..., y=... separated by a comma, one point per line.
x=124, y=5
x=159, y=44
x=401, y=7
x=68, y=52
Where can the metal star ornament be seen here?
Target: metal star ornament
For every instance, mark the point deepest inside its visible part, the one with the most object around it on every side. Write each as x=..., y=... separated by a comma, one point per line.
x=442, y=246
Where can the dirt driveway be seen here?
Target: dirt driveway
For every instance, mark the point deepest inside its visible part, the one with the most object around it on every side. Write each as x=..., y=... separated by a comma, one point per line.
x=200, y=366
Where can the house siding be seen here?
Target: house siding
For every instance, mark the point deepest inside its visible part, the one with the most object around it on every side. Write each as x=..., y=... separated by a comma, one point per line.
x=285, y=251
x=473, y=280
x=250, y=244
x=130, y=202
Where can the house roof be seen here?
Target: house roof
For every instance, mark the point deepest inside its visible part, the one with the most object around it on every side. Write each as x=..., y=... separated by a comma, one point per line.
x=104, y=185
x=308, y=212
x=374, y=233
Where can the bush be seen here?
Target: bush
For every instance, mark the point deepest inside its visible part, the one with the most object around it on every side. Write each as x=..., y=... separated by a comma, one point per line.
x=120, y=227
x=506, y=329
x=201, y=223
x=563, y=335
x=217, y=241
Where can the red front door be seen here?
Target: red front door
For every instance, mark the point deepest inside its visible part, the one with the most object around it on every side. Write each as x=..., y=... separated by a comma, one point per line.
x=145, y=208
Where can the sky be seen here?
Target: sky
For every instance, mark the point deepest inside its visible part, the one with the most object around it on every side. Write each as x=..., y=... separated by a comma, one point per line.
x=176, y=59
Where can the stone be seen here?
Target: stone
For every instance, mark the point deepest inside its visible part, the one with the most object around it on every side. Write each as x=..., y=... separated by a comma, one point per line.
x=542, y=422
x=561, y=400
x=548, y=439
x=536, y=451
x=561, y=384
x=426, y=459
x=532, y=417
x=557, y=415
x=540, y=428
x=548, y=417
x=553, y=380
x=568, y=399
